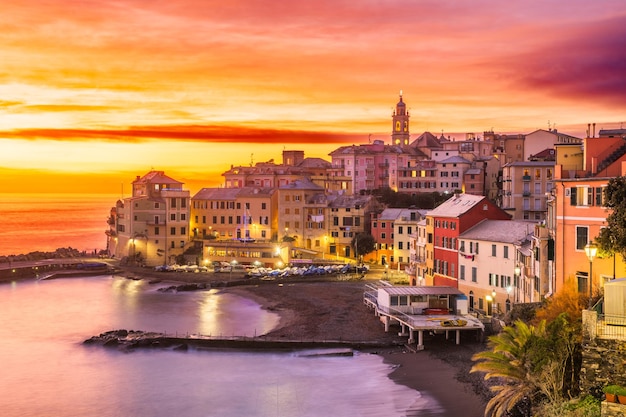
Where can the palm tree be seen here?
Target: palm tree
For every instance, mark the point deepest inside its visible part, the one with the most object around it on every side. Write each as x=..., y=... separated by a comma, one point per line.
x=514, y=362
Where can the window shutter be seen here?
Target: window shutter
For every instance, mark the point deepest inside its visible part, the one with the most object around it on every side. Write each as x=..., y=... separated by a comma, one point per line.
x=572, y=196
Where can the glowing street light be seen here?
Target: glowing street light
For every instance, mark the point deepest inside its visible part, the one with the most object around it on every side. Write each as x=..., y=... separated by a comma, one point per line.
x=591, y=250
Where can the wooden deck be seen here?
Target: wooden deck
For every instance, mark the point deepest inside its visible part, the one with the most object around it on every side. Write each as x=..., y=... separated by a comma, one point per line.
x=412, y=323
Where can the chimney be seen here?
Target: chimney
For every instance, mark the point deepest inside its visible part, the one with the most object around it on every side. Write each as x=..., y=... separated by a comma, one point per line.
x=594, y=131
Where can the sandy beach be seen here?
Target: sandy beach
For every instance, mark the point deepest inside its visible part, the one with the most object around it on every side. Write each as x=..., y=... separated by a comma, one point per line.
x=334, y=310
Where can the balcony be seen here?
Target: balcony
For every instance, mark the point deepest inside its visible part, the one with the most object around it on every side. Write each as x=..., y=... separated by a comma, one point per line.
x=525, y=177
x=526, y=193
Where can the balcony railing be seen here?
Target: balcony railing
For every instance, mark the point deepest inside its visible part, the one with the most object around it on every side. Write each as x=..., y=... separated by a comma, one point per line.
x=526, y=178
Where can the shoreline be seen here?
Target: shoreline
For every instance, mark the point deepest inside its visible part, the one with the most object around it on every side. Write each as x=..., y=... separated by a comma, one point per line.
x=334, y=310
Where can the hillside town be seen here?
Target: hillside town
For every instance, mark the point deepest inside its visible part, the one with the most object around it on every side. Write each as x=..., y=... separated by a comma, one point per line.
x=503, y=218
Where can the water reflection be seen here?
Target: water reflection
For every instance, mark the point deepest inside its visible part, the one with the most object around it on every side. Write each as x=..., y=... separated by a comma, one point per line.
x=47, y=370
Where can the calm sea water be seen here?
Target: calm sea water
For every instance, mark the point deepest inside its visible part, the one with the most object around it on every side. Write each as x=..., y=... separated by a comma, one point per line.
x=45, y=222
x=47, y=371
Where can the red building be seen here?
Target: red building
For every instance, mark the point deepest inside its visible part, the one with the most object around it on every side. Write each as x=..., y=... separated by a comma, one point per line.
x=444, y=224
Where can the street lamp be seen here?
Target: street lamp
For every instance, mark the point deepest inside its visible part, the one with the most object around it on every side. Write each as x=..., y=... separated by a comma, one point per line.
x=517, y=272
x=493, y=295
x=590, y=250
x=489, y=305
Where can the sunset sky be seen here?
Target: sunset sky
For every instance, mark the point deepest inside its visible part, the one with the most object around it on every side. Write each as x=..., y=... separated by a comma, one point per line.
x=95, y=92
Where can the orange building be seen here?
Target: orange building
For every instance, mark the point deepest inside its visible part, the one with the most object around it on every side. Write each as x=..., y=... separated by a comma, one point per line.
x=576, y=210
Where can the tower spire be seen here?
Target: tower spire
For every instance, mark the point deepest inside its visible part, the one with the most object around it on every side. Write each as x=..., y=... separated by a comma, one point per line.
x=400, y=124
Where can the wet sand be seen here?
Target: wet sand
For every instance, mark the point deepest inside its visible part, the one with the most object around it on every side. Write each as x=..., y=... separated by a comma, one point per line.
x=319, y=310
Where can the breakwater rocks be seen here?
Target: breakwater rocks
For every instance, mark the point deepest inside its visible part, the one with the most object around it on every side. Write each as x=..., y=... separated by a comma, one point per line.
x=127, y=340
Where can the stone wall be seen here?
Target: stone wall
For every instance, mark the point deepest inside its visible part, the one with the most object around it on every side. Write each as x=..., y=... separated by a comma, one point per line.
x=603, y=361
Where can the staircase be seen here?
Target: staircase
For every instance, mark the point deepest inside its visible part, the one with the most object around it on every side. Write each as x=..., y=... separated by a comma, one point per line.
x=612, y=157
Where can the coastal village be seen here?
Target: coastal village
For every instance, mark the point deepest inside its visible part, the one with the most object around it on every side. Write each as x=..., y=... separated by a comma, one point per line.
x=493, y=223
x=515, y=222
x=460, y=232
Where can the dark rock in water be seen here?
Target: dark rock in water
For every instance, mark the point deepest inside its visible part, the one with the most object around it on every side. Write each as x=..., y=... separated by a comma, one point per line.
x=111, y=342
x=185, y=287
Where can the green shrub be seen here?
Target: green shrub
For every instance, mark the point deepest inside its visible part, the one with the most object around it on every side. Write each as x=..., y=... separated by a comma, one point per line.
x=613, y=389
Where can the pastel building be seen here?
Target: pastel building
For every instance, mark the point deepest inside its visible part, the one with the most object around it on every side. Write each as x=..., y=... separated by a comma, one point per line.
x=444, y=225
x=577, y=211
x=488, y=257
x=525, y=187
x=153, y=224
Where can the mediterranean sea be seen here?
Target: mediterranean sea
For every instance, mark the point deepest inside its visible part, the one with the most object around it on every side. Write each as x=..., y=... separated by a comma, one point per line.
x=45, y=222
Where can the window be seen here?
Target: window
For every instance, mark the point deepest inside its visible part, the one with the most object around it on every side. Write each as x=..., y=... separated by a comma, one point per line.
x=172, y=231
x=156, y=231
x=493, y=250
x=173, y=216
x=474, y=274
x=599, y=196
x=462, y=272
x=400, y=230
x=263, y=206
x=581, y=196
x=582, y=237
x=183, y=231
x=506, y=252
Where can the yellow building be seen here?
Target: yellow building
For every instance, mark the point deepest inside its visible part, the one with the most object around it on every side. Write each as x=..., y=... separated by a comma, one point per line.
x=153, y=224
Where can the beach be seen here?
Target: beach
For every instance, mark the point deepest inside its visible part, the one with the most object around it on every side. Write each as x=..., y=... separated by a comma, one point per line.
x=332, y=309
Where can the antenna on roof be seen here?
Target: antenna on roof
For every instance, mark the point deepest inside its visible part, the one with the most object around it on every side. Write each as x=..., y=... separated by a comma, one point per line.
x=251, y=159
x=369, y=138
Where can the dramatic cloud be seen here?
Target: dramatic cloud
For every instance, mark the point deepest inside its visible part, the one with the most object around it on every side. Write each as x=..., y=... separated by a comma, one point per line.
x=589, y=66
x=214, y=134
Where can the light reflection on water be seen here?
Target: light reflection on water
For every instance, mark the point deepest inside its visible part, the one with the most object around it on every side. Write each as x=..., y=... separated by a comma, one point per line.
x=47, y=371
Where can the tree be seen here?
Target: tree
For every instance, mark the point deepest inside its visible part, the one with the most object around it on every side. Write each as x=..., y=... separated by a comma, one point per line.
x=363, y=243
x=612, y=239
x=514, y=362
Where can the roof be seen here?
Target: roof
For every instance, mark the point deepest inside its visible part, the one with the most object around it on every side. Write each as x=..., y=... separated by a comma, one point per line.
x=454, y=160
x=474, y=171
x=217, y=194
x=345, y=201
x=302, y=184
x=314, y=163
x=423, y=290
x=390, y=214
x=156, y=177
x=456, y=205
x=530, y=164
x=504, y=231
x=427, y=140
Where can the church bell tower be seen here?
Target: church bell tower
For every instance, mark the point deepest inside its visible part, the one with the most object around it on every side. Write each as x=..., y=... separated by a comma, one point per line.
x=400, y=124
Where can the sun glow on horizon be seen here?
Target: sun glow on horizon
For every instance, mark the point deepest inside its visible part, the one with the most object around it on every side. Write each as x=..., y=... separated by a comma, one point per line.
x=194, y=86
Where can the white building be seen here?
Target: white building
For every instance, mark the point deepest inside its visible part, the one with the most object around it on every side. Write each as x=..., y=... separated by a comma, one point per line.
x=487, y=262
